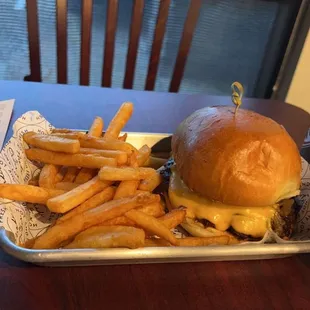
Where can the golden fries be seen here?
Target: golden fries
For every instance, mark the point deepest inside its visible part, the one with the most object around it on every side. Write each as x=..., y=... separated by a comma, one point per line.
x=95, y=130
x=33, y=182
x=94, y=201
x=76, y=196
x=28, y=193
x=97, y=143
x=203, y=241
x=76, y=160
x=119, y=121
x=61, y=174
x=154, y=162
x=150, y=183
x=61, y=130
x=96, y=127
x=125, y=173
x=151, y=224
x=72, y=135
x=132, y=160
x=126, y=188
x=123, y=137
x=85, y=175
x=101, y=144
x=153, y=209
x=120, y=220
x=156, y=242
x=120, y=156
x=173, y=218
x=70, y=174
x=66, y=186
x=109, y=237
x=52, y=143
x=57, y=234
x=143, y=155
x=48, y=175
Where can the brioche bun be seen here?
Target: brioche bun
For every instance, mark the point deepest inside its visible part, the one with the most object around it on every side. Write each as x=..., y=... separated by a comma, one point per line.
x=242, y=160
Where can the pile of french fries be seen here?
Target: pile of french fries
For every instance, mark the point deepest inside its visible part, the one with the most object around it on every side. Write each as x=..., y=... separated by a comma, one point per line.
x=103, y=189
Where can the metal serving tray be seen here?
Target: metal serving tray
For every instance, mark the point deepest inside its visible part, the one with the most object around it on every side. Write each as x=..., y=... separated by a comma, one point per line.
x=80, y=257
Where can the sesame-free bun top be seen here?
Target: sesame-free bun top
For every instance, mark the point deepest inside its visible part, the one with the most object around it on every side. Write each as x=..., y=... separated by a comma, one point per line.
x=242, y=160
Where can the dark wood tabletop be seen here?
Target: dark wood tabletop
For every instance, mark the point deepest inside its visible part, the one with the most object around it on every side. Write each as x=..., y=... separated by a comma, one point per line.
x=261, y=284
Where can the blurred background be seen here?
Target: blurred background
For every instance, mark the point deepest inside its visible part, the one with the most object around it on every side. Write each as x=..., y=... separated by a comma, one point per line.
x=233, y=40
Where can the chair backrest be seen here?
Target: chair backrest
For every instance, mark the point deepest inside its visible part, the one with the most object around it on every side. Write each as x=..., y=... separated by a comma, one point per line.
x=110, y=32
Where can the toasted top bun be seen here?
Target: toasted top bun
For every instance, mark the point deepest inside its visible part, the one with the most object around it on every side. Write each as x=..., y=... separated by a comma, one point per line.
x=243, y=160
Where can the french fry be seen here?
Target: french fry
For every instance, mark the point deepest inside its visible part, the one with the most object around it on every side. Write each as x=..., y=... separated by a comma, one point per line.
x=33, y=182
x=61, y=174
x=138, y=191
x=151, y=182
x=133, y=160
x=61, y=130
x=76, y=196
x=120, y=156
x=96, y=200
x=173, y=218
x=154, y=162
x=154, y=209
x=202, y=241
x=95, y=130
x=28, y=193
x=109, y=237
x=70, y=174
x=126, y=188
x=85, y=175
x=66, y=186
x=125, y=173
x=156, y=242
x=52, y=143
x=76, y=160
x=119, y=121
x=96, y=127
x=233, y=240
x=123, y=137
x=151, y=224
x=119, y=221
x=213, y=232
x=143, y=155
x=48, y=176
x=101, y=144
x=73, y=135
x=57, y=234
x=97, y=143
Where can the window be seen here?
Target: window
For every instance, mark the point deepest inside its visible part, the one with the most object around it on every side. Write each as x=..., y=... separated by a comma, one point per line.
x=242, y=40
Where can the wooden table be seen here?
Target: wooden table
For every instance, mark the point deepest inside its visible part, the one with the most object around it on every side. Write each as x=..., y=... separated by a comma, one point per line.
x=270, y=284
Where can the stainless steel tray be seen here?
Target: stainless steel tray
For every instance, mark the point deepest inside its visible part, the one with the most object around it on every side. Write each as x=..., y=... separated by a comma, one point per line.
x=84, y=257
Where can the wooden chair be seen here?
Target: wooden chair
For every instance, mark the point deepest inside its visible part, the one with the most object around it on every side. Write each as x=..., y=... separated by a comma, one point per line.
x=110, y=31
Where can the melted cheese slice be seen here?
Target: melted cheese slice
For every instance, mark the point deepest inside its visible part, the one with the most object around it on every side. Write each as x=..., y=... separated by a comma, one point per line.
x=253, y=221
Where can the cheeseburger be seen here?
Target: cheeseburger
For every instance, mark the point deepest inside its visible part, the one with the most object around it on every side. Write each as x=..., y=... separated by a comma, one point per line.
x=234, y=173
